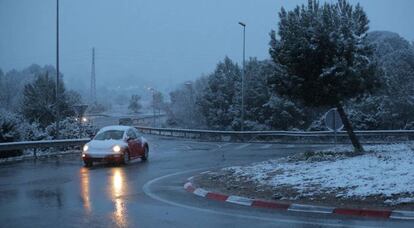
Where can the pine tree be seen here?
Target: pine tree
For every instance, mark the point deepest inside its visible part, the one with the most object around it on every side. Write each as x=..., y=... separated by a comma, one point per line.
x=390, y=107
x=256, y=93
x=39, y=101
x=325, y=56
x=219, y=103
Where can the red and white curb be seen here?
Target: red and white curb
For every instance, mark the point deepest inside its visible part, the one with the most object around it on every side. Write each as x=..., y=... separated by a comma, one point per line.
x=386, y=214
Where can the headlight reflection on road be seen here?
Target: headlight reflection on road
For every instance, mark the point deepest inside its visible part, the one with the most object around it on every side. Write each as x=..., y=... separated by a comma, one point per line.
x=118, y=188
x=84, y=175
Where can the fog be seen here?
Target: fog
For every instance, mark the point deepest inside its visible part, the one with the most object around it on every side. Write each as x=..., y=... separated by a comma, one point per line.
x=153, y=43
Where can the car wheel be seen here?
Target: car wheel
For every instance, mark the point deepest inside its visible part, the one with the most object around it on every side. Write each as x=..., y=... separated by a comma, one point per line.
x=126, y=158
x=88, y=163
x=146, y=153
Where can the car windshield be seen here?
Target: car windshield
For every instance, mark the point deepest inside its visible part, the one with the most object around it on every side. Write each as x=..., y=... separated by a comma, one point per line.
x=110, y=134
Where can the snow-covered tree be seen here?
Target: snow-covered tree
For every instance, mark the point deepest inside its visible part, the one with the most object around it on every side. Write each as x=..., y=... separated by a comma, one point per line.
x=219, y=102
x=70, y=128
x=181, y=108
x=183, y=111
x=39, y=101
x=157, y=101
x=325, y=56
x=9, y=132
x=9, y=123
x=134, y=103
x=392, y=106
x=220, y=93
x=13, y=82
x=256, y=93
x=284, y=114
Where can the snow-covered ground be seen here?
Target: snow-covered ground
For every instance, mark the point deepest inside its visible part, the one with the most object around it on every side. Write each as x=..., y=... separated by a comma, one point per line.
x=385, y=170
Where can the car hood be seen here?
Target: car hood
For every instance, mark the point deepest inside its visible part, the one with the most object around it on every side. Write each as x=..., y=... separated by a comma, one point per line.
x=105, y=144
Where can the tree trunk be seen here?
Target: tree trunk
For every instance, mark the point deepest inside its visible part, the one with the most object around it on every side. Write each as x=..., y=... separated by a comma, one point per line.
x=348, y=127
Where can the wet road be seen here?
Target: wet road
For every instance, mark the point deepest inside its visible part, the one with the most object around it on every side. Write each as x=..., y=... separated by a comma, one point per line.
x=60, y=192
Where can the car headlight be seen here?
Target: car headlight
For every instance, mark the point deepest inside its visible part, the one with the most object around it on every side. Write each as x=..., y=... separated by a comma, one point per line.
x=116, y=149
x=85, y=148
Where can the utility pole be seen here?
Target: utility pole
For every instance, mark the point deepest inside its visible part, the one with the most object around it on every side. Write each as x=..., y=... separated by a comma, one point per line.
x=153, y=105
x=93, y=79
x=244, y=51
x=57, y=71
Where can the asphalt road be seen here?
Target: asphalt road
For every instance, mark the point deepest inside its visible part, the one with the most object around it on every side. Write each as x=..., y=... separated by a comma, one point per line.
x=60, y=192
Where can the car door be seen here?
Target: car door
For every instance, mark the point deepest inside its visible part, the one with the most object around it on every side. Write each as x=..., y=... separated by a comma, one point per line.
x=140, y=143
x=132, y=144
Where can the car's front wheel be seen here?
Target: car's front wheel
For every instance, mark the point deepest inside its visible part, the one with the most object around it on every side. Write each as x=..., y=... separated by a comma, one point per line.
x=126, y=157
x=88, y=163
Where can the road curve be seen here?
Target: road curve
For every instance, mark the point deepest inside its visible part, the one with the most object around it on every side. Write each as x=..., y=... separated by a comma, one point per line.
x=61, y=192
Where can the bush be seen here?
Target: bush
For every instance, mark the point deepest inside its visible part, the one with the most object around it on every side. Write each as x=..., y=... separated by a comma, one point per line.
x=70, y=128
x=9, y=132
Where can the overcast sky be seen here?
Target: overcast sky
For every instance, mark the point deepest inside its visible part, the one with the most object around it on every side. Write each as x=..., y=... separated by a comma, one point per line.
x=153, y=42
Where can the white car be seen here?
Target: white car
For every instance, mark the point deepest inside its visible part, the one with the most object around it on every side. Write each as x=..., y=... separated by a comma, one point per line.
x=118, y=144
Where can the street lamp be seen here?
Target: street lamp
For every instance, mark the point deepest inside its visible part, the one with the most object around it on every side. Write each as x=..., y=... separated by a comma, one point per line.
x=57, y=70
x=153, y=105
x=244, y=51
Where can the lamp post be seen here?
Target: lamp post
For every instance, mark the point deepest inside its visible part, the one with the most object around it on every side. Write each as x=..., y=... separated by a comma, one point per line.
x=244, y=51
x=57, y=70
x=153, y=105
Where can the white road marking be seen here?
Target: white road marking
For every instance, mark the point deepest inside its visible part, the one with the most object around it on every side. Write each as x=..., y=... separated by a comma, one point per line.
x=242, y=146
x=409, y=215
x=200, y=192
x=290, y=146
x=266, y=146
x=310, y=208
x=240, y=200
x=147, y=190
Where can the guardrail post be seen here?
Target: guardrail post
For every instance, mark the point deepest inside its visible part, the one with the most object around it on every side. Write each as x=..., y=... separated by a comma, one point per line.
x=35, y=153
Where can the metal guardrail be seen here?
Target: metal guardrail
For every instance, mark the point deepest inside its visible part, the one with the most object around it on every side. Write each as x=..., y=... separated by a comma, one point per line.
x=139, y=120
x=374, y=136
x=42, y=144
x=378, y=136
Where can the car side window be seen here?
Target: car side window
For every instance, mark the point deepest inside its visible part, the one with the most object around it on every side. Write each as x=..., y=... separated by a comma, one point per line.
x=131, y=134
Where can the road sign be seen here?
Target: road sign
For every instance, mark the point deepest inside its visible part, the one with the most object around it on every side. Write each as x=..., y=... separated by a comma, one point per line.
x=333, y=121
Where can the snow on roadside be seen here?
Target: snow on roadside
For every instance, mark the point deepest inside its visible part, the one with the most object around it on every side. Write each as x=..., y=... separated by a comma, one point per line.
x=385, y=170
